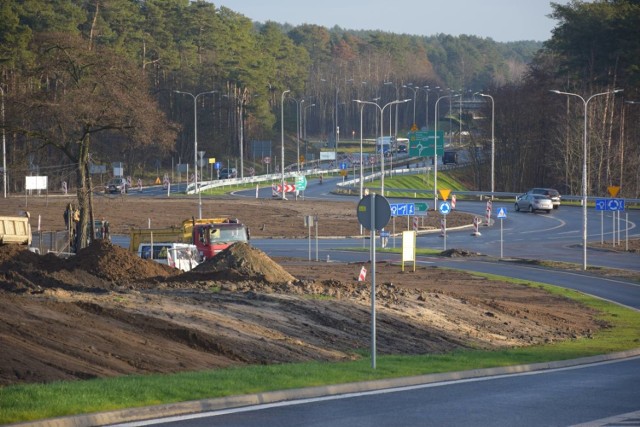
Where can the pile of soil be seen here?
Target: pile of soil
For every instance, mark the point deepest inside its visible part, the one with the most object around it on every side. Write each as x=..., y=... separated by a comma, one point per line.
x=101, y=265
x=107, y=312
x=241, y=261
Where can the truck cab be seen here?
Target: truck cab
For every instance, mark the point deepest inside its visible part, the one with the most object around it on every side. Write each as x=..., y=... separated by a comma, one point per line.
x=213, y=238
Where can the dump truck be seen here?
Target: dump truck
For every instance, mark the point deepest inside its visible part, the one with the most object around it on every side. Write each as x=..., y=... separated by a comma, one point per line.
x=15, y=230
x=209, y=235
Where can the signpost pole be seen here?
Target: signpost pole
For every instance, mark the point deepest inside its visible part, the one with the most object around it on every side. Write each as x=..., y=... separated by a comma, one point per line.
x=373, y=282
x=613, y=228
x=501, y=238
x=626, y=231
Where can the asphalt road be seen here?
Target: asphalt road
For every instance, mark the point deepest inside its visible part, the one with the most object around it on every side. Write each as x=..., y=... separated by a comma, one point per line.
x=560, y=397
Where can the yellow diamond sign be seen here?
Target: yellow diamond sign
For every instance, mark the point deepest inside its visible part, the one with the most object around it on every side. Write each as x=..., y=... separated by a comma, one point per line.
x=444, y=194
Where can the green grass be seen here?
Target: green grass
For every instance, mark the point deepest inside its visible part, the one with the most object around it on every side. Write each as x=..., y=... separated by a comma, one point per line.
x=394, y=185
x=39, y=401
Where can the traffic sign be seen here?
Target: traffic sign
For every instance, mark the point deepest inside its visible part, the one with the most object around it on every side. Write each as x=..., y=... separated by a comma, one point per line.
x=288, y=188
x=613, y=190
x=444, y=193
x=343, y=165
x=266, y=160
x=421, y=208
x=502, y=213
x=402, y=209
x=381, y=210
x=445, y=208
x=217, y=165
x=609, y=204
x=301, y=182
x=421, y=143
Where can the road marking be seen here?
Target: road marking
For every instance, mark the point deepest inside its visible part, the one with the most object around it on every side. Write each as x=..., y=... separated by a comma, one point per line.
x=562, y=224
x=628, y=419
x=285, y=403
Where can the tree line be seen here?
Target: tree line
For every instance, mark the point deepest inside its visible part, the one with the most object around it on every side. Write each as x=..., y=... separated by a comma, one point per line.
x=97, y=81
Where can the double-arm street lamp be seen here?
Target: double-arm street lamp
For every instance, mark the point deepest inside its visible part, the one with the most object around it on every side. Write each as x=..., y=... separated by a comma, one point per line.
x=395, y=86
x=381, y=134
x=195, y=144
x=584, y=165
x=493, y=144
x=435, y=150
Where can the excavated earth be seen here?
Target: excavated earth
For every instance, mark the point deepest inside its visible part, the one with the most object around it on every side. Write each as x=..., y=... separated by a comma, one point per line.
x=105, y=312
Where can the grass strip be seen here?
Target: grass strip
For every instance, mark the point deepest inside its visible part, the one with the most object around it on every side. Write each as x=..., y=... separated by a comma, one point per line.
x=40, y=401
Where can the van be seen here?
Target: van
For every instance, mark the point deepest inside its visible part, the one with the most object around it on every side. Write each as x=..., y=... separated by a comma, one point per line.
x=449, y=157
x=183, y=256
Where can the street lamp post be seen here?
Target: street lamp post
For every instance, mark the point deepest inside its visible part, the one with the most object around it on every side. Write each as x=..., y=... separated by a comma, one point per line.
x=397, y=96
x=584, y=165
x=426, y=114
x=195, y=144
x=435, y=151
x=241, y=101
x=361, y=156
x=282, y=141
x=304, y=127
x=381, y=109
x=493, y=144
x=4, y=149
x=415, y=91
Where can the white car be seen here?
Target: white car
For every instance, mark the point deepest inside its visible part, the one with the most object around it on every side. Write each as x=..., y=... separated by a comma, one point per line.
x=183, y=256
x=533, y=202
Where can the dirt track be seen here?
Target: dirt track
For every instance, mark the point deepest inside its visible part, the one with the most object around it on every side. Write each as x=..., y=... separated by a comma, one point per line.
x=106, y=312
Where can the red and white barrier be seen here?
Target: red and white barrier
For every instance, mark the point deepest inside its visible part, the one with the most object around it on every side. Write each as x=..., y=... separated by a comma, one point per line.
x=476, y=223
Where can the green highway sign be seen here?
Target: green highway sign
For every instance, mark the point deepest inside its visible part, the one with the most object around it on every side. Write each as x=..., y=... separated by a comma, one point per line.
x=301, y=182
x=421, y=208
x=421, y=143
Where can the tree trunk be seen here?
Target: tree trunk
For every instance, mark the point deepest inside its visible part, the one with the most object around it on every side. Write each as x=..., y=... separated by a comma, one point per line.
x=83, y=194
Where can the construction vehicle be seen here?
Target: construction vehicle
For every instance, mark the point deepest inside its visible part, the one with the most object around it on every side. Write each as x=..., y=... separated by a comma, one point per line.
x=15, y=230
x=209, y=235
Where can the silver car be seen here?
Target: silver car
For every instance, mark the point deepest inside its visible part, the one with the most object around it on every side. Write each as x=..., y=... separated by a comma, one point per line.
x=551, y=193
x=533, y=202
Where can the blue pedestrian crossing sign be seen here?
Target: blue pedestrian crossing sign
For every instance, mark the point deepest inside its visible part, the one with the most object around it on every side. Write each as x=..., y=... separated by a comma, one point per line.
x=502, y=213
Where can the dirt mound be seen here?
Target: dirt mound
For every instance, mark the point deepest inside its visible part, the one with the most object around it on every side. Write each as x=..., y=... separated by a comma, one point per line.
x=107, y=261
x=241, y=261
x=454, y=253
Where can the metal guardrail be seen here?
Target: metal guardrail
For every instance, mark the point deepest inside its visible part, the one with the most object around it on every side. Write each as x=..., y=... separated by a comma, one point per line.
x=354, y=184
x=349, y=186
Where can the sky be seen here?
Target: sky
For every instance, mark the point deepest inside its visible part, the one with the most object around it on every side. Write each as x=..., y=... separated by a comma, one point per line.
x=500, y=20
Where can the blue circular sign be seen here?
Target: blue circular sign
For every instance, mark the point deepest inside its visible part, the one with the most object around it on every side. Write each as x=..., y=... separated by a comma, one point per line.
x=445, y=208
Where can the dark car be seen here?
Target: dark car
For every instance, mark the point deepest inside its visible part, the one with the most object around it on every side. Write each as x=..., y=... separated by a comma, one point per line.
x=551, y=193
x=118, y=185
x=228, y=173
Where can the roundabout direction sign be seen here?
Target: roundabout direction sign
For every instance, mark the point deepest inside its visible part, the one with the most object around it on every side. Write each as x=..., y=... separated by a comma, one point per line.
x=609, y=204
x=445, y=208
